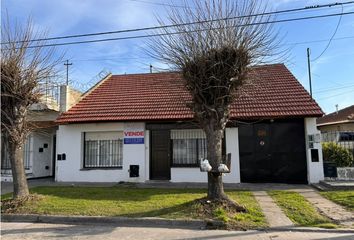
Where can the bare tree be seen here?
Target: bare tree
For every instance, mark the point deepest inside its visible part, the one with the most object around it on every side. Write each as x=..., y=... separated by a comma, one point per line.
x=25, y=68
x=215, y=56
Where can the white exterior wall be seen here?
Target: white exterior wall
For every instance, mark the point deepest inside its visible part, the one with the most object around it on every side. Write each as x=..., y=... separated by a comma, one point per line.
x=147, y=155
x=37, y=160
x=70, y=142
x=314, y=169
x=232, y=147
x=180, y=174
x=188, y=174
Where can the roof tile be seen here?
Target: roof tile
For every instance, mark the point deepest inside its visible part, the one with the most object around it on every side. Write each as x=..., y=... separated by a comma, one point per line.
x=343, y=115
x=272, y=92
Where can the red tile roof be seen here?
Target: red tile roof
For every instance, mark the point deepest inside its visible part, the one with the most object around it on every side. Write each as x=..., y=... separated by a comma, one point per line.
x=273, y=92
x=342, y=116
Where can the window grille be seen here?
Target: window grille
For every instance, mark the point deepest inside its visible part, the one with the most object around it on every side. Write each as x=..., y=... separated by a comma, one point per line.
x=104, y=151
x=188, y=146
x=27, y=152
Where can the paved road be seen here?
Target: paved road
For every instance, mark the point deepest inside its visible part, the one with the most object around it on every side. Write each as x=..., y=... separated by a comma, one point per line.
x=60, y=231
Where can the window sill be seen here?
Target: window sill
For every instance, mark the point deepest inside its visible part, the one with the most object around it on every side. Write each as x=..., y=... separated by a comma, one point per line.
x=185, y=166
x=100, y=168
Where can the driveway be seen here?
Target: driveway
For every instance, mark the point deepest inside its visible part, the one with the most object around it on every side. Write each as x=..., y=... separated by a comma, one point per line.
x=60, y=231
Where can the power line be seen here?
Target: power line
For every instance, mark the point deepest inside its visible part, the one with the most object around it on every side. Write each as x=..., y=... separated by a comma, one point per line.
x=142, y=57
x=334, y=89
x=330, y=40
x=183, y=32
x=320, y=40
x=160, y=4
x=185, y=24
x=335, y=95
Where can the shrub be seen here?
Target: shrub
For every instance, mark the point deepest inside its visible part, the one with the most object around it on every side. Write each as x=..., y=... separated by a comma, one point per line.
x=333, y=152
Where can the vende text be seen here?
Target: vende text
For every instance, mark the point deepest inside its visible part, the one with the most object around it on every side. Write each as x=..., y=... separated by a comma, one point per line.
x=134, y=134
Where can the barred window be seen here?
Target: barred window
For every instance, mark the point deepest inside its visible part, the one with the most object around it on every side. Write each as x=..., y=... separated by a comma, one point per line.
x=103, y=149
x=346, y=136
x=26, y=154
x=188, y=146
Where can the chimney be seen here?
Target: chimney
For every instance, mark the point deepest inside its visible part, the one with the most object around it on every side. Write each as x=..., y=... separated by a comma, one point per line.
x=63, y=98
x=68, y=97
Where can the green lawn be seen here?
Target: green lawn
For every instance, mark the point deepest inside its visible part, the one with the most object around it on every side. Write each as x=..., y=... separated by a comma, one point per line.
x=138, y=202
x=344, y=198
x=299, y=210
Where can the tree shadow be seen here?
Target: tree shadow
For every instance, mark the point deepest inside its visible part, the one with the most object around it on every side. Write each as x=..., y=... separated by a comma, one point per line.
x=111, y=193
x=173, y=211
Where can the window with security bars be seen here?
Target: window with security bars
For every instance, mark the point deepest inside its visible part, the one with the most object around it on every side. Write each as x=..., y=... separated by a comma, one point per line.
x=103, y=150
x=27, y=153
x=188, y=147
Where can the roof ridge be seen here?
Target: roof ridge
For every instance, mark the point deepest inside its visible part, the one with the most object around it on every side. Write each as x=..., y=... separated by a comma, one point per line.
x=341, y=110
x=176, y=72
x=139, y=74
x=159, y=96
x=91, y=89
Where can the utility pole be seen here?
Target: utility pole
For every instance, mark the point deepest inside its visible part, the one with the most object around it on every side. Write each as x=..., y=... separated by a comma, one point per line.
x=67, y=64
x=309, y=68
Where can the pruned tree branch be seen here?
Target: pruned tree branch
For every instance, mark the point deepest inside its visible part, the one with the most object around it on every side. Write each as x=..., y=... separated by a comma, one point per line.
x=215, y=59
x=24, y=72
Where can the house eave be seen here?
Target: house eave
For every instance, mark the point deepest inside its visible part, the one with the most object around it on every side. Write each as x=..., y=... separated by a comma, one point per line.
x=333, y=123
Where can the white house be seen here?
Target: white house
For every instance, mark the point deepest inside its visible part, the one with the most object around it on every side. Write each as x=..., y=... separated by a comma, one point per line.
x=39, y=155
x=137, y=128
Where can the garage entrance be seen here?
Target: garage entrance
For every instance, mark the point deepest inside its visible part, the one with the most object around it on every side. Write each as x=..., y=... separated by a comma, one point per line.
x=273, y=151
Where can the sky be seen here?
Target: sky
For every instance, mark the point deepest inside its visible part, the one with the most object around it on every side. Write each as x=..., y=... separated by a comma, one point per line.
x=332, y=72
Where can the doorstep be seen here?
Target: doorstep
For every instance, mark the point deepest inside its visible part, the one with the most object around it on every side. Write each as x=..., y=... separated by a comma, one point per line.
x=335, y=185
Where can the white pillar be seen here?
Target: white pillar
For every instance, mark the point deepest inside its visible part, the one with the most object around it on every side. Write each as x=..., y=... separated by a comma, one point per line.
x=232, y=147
x=314, y=169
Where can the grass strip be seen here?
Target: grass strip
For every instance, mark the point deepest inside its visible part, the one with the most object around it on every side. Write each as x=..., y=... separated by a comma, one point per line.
x=138, y=202
x=299, y=210
x=343, y=197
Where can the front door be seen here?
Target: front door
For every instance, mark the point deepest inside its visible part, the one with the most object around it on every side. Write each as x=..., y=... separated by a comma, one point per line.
x=160, y=155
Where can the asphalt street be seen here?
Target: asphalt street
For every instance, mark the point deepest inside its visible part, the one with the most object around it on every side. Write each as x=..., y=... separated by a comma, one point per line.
x=82, y=231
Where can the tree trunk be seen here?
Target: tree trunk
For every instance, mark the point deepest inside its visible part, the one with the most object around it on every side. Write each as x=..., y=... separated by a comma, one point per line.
x=18, y=171
x=214, y=143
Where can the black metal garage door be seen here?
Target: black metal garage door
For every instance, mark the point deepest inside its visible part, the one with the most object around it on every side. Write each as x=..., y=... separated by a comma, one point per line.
x=273, y=151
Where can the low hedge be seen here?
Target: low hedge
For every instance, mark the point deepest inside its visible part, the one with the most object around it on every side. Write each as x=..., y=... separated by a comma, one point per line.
x=337, y=154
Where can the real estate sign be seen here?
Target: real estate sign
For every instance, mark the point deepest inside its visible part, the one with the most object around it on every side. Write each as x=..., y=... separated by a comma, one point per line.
x=134, y=133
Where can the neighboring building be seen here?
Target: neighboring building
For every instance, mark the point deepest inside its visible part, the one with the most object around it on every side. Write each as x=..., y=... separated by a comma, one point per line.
x=39, y=149
x=342, y=120
x=338, y=127
x=138, y=128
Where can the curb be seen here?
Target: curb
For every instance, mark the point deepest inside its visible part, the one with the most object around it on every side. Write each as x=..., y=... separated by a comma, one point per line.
x=120, y=221
x=308, y=229
x=150, y=222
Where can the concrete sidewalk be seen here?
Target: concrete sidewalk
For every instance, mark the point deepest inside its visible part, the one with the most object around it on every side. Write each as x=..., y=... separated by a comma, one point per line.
x=328, y=208
x=274, y=215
